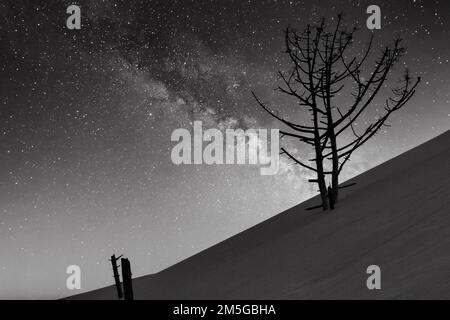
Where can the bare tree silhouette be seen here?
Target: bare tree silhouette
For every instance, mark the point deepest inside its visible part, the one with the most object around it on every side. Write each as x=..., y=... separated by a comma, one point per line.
x=323, y=70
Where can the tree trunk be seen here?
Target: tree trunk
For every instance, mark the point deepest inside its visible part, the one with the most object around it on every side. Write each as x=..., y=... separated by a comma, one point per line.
x=331, y=198
x=321, y=178
x=116, y=276
x=334, y=156
x=127, y=280
x=335, y=167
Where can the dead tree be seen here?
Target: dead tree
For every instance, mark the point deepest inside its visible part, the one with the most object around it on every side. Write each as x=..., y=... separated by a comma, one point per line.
x=116, y=275
x=127, y=279
x=322, y=69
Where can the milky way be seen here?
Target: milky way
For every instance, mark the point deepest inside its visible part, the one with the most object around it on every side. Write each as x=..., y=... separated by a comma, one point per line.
x=86, y=117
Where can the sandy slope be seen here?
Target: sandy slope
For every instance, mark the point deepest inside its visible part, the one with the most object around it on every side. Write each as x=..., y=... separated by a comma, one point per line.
x=398, y=217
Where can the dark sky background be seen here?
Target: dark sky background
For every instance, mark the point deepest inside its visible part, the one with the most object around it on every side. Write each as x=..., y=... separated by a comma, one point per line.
x=86, y=117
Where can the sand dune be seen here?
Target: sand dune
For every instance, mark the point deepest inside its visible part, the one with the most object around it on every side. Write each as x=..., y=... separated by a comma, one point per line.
x=397, y=217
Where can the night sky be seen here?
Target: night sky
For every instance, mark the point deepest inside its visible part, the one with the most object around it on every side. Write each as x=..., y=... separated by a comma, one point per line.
x=86, y=118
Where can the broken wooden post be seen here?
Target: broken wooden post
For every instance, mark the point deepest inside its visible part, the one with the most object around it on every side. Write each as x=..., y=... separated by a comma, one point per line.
x=314, y=207
x=348, y=185
x=127, y=281
x=116, y=275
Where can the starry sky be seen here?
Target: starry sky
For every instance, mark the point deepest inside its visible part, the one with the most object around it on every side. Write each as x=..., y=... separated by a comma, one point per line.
x=86, y=118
